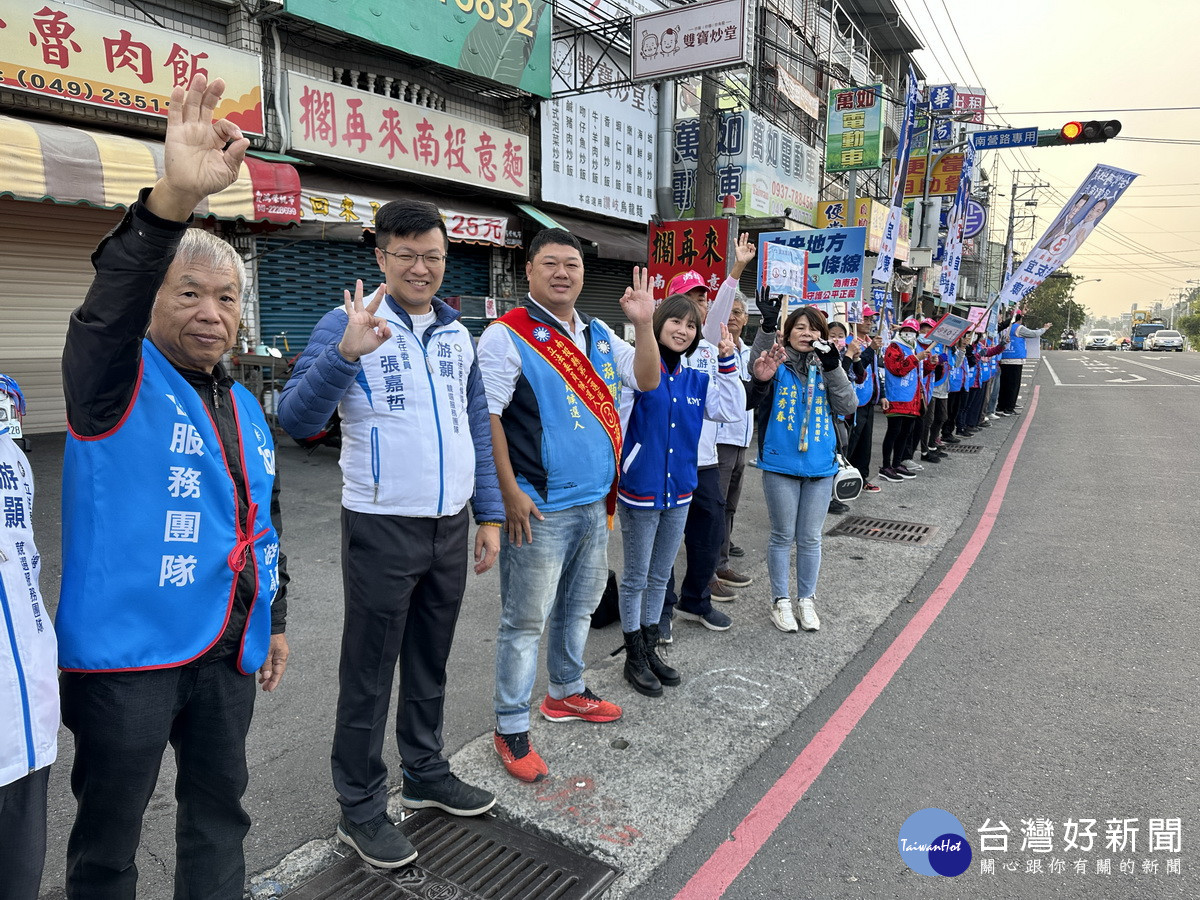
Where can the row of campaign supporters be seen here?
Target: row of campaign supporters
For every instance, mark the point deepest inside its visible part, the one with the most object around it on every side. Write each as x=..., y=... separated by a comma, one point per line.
x=174, y=586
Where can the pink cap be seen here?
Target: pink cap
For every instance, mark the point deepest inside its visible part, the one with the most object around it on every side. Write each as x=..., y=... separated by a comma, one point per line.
x=687, y=281
x=868, y=311
x=929, y=322
x=909, y=323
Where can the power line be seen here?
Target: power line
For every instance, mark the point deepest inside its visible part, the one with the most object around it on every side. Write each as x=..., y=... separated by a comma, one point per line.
x=1074, y=112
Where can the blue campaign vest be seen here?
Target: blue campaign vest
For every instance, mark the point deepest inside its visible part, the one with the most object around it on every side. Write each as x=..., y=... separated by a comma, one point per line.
x=987, y=367
x=659, y=454
x=151, y=536
x=939, y=351
x=900, y=389
x=781, y=444
x=1015, y=349
x=576, y=451
x=865, y=392
x=956, y=374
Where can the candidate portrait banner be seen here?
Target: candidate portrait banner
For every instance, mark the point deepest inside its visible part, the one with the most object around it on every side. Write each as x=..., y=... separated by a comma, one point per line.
x=891, y=231
x=1088, y=205
x=948, y=281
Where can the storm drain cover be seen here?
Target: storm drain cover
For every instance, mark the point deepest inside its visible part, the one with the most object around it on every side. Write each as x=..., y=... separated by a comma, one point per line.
x=963, y=448
x=884, y=530
x=465, y=858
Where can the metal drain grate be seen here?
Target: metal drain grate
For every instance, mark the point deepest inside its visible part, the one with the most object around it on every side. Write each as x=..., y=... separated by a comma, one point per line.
x=963, y=448
x=884, y=530
x=462, y=859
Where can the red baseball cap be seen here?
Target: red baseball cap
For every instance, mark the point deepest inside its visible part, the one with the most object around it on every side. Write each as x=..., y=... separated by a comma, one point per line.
x=687, y=281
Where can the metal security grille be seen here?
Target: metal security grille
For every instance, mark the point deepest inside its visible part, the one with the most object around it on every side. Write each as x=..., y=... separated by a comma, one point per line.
x=884, y=530
x=300, y=281
x=461, y=859
x=962, y=448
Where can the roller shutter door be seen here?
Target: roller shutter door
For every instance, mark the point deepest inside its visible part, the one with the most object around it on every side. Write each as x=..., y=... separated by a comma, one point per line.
x=45, y=270
x=604, y=283
x=300, y=281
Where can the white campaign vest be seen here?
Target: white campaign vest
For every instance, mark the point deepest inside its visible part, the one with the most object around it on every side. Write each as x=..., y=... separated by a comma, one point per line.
x=704, y=358
x=406, y=436
x=28, y=649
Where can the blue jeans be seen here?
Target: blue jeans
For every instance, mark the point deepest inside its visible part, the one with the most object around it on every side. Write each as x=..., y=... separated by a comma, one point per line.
x=797, y=507
x=559, y=578
x=650, y=539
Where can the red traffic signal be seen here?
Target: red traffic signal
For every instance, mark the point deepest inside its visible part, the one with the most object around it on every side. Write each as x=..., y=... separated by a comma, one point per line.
x=1088, y=132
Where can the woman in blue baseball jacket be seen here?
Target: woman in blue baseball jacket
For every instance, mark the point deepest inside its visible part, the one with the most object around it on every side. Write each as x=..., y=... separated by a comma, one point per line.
x=798, y=389
x=659, y=461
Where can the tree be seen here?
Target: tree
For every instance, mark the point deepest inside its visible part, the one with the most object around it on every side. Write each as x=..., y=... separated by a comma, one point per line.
x=1052, y=301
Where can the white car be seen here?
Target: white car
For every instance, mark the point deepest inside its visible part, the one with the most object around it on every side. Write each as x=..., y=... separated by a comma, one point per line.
x=1165, y=339
x=1100, y=339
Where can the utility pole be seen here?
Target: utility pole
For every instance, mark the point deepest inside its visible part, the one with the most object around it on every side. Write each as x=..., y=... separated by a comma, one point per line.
x=706, y=171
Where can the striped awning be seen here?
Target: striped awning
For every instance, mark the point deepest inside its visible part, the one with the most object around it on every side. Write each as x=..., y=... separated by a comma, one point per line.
x=47, y=161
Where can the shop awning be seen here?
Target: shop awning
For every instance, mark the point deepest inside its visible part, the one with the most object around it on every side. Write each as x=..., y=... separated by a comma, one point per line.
x=331, y=203
x=612, y=241
x=48, y=161
x=538, y=216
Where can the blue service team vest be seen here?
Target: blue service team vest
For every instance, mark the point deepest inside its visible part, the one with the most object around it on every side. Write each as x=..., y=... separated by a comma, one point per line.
x=576, y=450
x=956, y=374
x=865, y=391
x=900, y=389
x=939, y=351
x=150, y=532
x=781, y=444
x=1015, y=349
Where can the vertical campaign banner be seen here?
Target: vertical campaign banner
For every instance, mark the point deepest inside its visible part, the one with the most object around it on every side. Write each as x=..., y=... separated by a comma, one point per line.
x=948, y=282
x=891, y=231
x=835, y=261
x=691, y=245
x=1071, y=227
x=854, y=129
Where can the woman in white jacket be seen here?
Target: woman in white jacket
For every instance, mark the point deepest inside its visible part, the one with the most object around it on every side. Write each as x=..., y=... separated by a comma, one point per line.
x=28, y=673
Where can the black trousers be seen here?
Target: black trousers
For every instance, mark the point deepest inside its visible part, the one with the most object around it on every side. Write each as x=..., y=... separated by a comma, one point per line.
x=23, y=835
x=702, y=538
x=953, y=406
x=1010, y=387
x=732, y=466
x=935, y=424
x=895, y=439
x=404, y=579
x=122, y=722
x=858, y=447
x=968, y=414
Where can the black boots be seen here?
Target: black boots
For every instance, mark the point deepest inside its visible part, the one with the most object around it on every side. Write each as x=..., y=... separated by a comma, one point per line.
x=637, y=671
x=664, y=673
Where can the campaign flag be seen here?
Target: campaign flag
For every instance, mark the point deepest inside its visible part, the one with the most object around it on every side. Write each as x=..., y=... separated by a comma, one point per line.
x=891, y=231
x=1088, y=205
x=948, y=281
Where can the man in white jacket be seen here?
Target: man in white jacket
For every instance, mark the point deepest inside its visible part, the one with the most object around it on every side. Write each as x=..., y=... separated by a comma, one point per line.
x=28, y=672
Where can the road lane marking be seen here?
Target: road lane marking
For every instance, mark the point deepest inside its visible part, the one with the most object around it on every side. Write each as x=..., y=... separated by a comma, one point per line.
x=1165, y=371
x=1053, y=374
x=718, y=872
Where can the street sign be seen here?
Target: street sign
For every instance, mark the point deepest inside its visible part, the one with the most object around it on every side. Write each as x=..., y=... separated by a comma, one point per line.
x=1004, y=138
x=973, y=219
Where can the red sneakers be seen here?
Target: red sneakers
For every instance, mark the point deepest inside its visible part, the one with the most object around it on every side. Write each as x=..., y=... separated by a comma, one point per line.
x=519, y=758
x=586, y=706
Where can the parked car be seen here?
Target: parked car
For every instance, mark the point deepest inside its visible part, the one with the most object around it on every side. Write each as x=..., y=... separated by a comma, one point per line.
x=1165, y=339
x=1100, y=339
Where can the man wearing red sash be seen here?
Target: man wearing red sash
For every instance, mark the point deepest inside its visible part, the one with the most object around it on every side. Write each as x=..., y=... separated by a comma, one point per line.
x=551, y=374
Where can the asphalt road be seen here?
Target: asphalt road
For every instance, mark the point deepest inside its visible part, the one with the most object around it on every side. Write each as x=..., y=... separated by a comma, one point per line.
x=1059, y=681
x=1054, y=683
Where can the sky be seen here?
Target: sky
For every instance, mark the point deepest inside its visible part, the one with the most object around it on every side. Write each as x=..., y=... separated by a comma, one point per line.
x=1037, y=57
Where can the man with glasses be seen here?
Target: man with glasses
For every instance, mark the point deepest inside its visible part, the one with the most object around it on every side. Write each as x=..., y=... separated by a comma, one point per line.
x=416, y=446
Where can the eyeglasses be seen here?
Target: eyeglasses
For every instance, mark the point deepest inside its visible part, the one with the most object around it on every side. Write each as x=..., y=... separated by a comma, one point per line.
x=433, y=260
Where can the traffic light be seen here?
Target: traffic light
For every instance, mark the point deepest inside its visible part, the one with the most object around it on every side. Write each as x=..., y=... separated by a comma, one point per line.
x=1079, y=133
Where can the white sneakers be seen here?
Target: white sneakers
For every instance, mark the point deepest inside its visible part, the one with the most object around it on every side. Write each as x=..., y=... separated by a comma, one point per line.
x=808, y=615
x=783, y=618
x=781, y=615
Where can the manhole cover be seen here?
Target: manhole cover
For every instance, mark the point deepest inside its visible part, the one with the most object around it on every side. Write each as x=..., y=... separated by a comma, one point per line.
x=884, y=530
x=963, y=448
x=465, y=858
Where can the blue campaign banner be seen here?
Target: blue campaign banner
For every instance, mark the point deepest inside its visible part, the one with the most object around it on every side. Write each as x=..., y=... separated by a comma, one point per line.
x=785, y=271
x=886, y=262
x=952, y=260
x=1071, y=227
x=835, y=261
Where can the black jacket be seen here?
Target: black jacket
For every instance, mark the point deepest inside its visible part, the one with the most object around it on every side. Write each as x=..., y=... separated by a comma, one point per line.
x=100, y=367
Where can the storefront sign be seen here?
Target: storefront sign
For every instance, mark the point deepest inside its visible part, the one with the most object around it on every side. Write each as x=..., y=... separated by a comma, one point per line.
x=694, y=245
x=854, y=129
x=768, y=171
x=355, y=209
x=835, y=261
x=943, y=182
x=598, y=147
x=502, y=40
x=691, y=38
x=111, y=61
x=359, y=126
x=869, y=214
